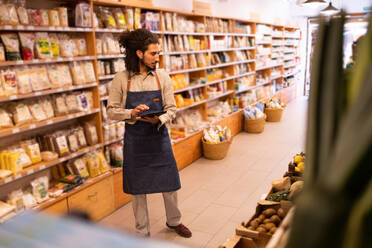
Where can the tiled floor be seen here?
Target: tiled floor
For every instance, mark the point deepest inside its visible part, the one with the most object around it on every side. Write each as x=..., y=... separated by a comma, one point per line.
x=218, y=195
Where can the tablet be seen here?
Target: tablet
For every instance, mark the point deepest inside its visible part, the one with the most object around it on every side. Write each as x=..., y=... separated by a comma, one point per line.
x=151, y=113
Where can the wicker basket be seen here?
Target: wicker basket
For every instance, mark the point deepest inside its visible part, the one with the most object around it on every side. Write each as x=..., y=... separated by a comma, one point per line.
x=255, y=126
x=216, y=151
x=273, y=115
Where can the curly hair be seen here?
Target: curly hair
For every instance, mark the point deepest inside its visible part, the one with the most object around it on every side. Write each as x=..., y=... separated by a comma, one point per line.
x=138, y=39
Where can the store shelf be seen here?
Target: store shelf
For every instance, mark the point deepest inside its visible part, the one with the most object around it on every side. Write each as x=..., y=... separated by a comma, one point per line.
x=232, y=49
x=291, y=37
x=109, y=142
x=52, y=121
x=174, y=142
x=262, y=54
x=211, y=67
x=208, y=51
x=289, y=66
x=108, y=30
x=47, y=92
x=182, y=33
x=277, y=45
x=190, y=88
x=106, y=77
x=41, y=28
x=229, y=92
x=191, y=106
x=45, y=61
x=288, y=59
x=251, y=88
x=278, y=37
x=45, y=165
x=291, y=74
x=88, y=182
x=184, y=52
x=276, y=77
x=268, y=67
x=263, y=43
x=114, y=56
x=233, y=34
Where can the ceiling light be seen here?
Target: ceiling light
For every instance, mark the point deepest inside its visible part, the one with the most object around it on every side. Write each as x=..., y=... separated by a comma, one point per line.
x=314, y=3
x=330, y=10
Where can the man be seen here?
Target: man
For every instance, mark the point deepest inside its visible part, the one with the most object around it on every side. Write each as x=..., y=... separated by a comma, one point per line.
x=149, y=165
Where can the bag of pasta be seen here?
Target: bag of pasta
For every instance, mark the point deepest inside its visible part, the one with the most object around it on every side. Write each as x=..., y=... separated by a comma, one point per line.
x=81, y=46
x=59, y=105
x=54, y=45
x=21, y=113
x=5, y=119
x=23, y=80
x=89, y=72
x=77, y=73
x=65, y=45
x=46, y=104
x=55, y=76
x=66, y=78
x=42, y=45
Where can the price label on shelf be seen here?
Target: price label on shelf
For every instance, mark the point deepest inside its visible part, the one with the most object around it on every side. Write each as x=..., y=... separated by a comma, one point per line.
x=59, y=28
x=37, y=93
x=32, y=126
x=42, y=167
x=8, y=27
x=13, y=97
x=18, y=176
x=20, y=27
x=49, y=122
x=47, y=60
x=19, y=62
x=29, y=172
x=70, y=59
x=15, y=130
x=59, y=59
x=30, y=27
x=52, y=28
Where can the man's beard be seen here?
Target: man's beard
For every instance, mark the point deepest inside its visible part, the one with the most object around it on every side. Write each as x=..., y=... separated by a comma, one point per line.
x=148, y=68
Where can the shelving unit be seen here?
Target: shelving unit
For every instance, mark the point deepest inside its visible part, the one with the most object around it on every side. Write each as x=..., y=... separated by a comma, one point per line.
x=192, y=142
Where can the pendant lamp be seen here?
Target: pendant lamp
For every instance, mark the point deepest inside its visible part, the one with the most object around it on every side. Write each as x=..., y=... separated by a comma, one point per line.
x=314, y=3
x=330, y=10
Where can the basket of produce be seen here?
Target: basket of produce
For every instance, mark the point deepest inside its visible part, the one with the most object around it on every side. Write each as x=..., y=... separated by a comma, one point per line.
x=274, y=111
x=254, y=120
x=297, y=166
x=216, y=142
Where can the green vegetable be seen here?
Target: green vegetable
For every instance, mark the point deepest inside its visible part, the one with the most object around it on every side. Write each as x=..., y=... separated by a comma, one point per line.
x=278, y=196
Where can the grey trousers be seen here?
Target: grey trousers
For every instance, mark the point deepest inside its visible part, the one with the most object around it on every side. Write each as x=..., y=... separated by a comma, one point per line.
x=141, y=214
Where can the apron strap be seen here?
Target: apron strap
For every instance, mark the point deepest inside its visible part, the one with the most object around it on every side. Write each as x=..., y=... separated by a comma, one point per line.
x=128, y=83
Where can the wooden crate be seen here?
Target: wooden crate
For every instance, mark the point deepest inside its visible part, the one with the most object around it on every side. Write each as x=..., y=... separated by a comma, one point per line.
x=59, y=208
x=188, y=150
x=97, y=200
x=237, y=241
x=120, y=198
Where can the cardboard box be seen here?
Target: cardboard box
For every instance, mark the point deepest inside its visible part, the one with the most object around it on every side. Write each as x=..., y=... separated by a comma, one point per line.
x=237, y=241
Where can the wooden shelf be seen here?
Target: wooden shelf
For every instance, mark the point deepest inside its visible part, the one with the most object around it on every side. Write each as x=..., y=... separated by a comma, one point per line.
x=45, y=61
x=184, y=52
x=268, y=67
x=108, y=30
x=251, y=88
x=52, y=121
x=47, y=92
x=88, y=182
x=189, y=88
x=114, y=56
x=109, y=142
x=289, y=66
x=45, y=165
x=41, y=28
x=229, y=92
x=276, y=77
x=191, y=106
x=106, y=77
x=209, y=51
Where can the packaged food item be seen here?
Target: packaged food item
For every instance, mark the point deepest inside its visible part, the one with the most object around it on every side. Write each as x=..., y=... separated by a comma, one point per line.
x=89, y=72
x=35, y=17
x=4, y=14
x=6, y=210
x=55, y=192
x=37, y=111
x=54, y=45
x=23, y=81
x=11, y=43
x=112, y=131
x=83, y=16
x=8, y=82
x=18, y=159
x=77, y=73
x=80, y=167
x=60, y=144
x=44, y=17
x=32, y=149
x=99, y=48
x=120, y=18
x=49, y=156
x=91, y=133
x=73, y=142
x=120, y=129
x=21, y=113
x=54, y=17
x=81, y=136
x=93, y=165
x=89, y=96
x=60, y=107
x=12, y=11
x=81, y=46
x=39, y=79
x=108, y=18
x=29, y=200
x=72, y=101
x=40, y=189
x=129, y=18
x=5, y=120
x=65, y=45
x=137, y=18
x=42, y=45
x=96, y=22
x=63, y=16
x=106, y=132
x=15, y=199
x=2, y=52
x=27, y=45
x=116, y=155
x=82, y=102
x=103, y=165
x=47, y=106
x=64, y=70
x=55, y=76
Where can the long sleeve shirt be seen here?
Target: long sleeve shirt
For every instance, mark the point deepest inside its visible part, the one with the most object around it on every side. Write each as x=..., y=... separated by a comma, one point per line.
x=118, y=94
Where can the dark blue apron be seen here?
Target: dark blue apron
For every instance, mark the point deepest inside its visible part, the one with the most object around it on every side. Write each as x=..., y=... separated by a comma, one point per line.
x=149, y=165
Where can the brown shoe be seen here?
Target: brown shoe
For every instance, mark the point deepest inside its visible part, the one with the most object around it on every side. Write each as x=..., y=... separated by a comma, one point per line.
x=181, y=230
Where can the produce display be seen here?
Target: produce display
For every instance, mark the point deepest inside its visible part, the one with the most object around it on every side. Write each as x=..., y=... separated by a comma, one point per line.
x=216, y=135
x=253, y=113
